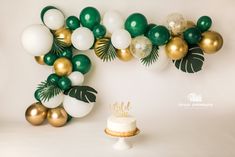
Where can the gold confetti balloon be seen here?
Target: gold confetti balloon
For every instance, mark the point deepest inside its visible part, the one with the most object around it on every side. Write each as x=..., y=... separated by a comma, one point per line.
x=39, y=59
x=175, y=22
x=63, y=66
x=124, y=54
x=64, y=36
x=211, y=42
x=36, y=114
x=57, y=117
x=176, y=48
x=140, y=47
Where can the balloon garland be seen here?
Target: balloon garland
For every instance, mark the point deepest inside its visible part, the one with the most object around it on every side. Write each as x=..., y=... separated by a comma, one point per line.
x=63, y=95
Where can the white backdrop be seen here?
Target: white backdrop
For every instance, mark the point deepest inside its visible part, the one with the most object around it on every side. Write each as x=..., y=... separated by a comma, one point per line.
x=168, y=128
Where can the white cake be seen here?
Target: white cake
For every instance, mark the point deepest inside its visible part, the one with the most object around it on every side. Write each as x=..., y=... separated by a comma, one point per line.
x=117, y=125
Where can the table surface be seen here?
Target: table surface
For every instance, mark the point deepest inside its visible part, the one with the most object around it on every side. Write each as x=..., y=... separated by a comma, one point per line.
x=194, y=134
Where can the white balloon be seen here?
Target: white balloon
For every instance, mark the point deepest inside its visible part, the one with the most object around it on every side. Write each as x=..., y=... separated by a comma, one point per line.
x=37, y=39
x=54, y=101
x=76, y=78
x=162, y=62
x=121, y=39
x=76, y=108
x=54, y=19
x=113, y=21
x=82, y=38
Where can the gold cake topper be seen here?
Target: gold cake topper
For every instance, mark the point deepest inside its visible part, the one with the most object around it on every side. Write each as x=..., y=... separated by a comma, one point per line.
x=120, y=109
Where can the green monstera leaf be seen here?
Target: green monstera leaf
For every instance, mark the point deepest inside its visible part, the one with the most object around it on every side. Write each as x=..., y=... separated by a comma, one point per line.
x=105, y=50
x=192, y=62
x=152, y=57
x=83, y=93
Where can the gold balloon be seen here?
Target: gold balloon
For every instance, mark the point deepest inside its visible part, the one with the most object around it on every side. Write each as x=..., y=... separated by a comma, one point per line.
x=176, y=48
x=63, y=66
x=189, y=24
x=64, y=35
x=57, y=116
x=124, y=54
x=39, y=59
x=211, y=42
x=36, y=114
x=101, y=47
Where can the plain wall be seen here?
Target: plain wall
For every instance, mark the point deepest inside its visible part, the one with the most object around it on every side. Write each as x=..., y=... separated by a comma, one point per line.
x=151, y=93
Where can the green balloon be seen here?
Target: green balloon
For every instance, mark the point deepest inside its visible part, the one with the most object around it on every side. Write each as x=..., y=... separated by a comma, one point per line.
x=69, y=118
x=204, y=23
x=53, y=78
x=99, y=31
x=37, y=95
x=149, y=27
x=81, y=63
x=64, y=83
x=50, y=58
x=44, y=10
x=92, y=47
x=90, y=17
x=159, y=35
x=72, y=22
x=136, y=24
x=67, y=52
x=192, y=35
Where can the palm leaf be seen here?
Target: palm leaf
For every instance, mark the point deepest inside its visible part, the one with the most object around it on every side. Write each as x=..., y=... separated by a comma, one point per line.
x=192, y=62
x=48, y=90
x=152, y=57
x=83, y=93
x=58, y=46
x=105, y=50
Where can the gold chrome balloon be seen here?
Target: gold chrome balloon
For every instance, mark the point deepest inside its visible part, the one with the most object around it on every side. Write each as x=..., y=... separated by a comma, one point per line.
x=39, y=59
x=57, y=116
x=124, y=54
x=176, y=48
x=36, y=114
x=63, y=67
x=189, y=24
x=211, y=42
x=64, y=35
x=102, y=47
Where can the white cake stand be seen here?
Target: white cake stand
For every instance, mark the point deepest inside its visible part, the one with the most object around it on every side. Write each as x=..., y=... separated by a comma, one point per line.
x=121, y=143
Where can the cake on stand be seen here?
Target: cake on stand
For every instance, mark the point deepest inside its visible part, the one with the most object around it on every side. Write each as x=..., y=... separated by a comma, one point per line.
x=121, y=125
x=121, y=143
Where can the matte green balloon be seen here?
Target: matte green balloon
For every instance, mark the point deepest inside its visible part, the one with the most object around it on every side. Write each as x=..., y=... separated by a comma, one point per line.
x=99, y=31
x=64, y=83
x=81, y=63
x=53, y=78
x=136, y=24
x=159, y=35
x=149, y=27
x=192, y=35
x=67, y=52
x=50, y=58
x=37, y=95
x=204, y=23
x=44, y=10
x=90, y=17
x=72, y=22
